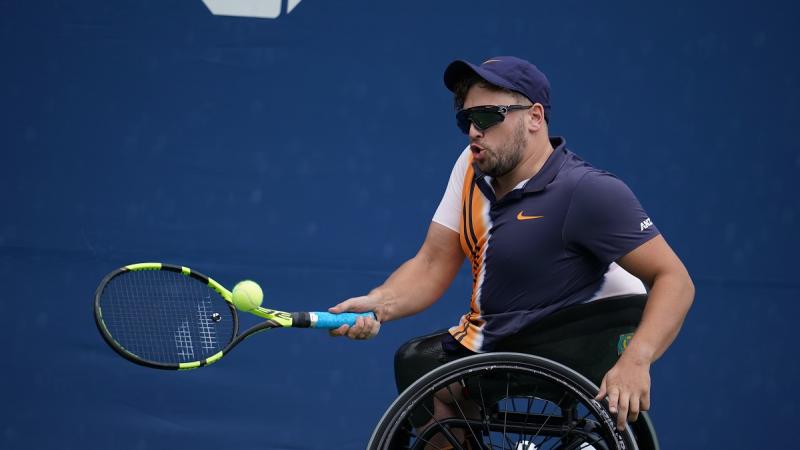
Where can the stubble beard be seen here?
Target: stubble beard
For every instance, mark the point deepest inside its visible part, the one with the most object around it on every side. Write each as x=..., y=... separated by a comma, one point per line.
x=502, y=162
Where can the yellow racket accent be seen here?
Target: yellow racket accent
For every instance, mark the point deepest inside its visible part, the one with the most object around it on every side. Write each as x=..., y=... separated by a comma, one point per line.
x=226, y=294
x=283, y=318
x=144, y=266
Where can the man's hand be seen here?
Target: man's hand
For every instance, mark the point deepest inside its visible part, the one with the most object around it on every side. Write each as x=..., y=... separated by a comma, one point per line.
x=412, y=288
x=627, y=386
x=670, y=294
x=365, y=327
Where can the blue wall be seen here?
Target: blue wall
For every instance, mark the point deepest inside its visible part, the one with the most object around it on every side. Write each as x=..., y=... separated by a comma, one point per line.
x=309, y=152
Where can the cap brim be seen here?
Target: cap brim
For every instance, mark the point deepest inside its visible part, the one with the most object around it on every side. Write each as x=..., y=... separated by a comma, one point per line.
x=459, y=69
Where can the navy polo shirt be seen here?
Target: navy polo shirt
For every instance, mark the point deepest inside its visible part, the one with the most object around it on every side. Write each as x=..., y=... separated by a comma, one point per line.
x=544, y=246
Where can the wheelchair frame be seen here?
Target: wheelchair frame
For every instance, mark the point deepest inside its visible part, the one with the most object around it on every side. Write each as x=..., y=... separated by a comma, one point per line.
x=525, y=402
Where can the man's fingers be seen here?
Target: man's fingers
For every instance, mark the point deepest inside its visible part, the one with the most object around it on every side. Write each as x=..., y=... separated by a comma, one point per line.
x=363, y=328
x=355, y=304
x=623, y=406
x=356, y=329
x=341, y=331
x=601, y=395
x=340, y=308
x=633, y=411
x=613, y=399
x=372, y=327
x=645, y=402
x=627, y=387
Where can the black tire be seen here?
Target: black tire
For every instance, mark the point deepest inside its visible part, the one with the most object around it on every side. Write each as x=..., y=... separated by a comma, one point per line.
x=645, y=433
x=557, y=403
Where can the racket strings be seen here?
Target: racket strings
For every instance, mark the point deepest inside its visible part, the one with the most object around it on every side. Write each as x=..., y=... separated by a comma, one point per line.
x=165, y=317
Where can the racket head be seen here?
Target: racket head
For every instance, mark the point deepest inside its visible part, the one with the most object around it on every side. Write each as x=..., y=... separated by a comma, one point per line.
x=165, y=316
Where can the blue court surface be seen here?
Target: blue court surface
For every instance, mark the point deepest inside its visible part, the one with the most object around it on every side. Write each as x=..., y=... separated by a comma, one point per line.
x=308, y=151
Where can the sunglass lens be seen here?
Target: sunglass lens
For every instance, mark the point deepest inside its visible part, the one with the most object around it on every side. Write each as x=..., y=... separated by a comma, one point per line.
x=462, y=120
x=482, y=119
x=486, y=119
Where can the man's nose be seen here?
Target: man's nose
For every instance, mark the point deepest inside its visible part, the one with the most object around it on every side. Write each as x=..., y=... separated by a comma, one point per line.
x=474, y=132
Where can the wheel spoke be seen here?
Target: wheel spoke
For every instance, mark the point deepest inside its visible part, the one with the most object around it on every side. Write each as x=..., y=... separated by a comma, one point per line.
x=547, y=419
x=528, y=410
x=485, y=412
x=505, y=417
x=463, y=415
x=444, y=429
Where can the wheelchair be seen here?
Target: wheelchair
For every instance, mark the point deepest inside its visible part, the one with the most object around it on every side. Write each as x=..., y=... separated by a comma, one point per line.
x=507, y=400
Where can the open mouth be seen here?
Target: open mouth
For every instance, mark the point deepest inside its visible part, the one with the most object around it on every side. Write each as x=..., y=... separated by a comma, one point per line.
x=478, y=152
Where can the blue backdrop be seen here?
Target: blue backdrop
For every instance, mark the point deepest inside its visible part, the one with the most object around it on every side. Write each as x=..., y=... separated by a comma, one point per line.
x=309, y=151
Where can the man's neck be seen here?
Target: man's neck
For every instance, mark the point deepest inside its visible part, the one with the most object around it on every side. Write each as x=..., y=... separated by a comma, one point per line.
x=531, y=164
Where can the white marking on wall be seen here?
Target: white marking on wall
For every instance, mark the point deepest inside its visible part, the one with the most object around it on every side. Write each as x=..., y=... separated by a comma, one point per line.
x=262, y=9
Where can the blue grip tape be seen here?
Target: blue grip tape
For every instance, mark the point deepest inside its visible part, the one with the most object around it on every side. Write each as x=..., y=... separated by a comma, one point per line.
x=331, y=321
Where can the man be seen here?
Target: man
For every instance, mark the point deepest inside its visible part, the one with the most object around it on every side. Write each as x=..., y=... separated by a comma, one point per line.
x=543, y=231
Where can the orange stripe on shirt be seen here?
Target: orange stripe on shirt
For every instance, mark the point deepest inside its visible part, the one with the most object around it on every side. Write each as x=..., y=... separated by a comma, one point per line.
x=474, y=237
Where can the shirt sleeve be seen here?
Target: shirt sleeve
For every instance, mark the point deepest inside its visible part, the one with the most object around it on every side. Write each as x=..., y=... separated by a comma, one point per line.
x=449, y=211
x=605, y=218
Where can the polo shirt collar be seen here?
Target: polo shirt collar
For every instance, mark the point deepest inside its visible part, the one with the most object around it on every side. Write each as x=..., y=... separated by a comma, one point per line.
x=551, y=167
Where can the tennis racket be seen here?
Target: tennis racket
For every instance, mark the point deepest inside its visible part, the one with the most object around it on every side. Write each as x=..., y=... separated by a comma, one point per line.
x=171, y=317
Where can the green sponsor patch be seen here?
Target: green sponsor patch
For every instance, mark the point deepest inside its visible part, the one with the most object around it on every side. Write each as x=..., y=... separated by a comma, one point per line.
x=622, y=343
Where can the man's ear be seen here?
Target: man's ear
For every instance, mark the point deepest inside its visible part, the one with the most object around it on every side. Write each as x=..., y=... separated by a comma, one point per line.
x=536, y=115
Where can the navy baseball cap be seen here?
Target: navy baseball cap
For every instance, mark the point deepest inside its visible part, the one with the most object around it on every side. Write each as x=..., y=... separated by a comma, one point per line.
x=508, y=72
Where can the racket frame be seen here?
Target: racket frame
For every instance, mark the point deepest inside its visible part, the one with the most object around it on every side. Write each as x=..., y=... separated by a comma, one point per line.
x=273, y=318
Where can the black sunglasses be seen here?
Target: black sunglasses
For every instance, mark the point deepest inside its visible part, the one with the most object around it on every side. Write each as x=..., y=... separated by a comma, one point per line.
x=485, y=116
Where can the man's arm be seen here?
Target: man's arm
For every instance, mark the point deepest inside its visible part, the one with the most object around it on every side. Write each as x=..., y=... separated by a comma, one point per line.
x=671, y=293
x=413, y=287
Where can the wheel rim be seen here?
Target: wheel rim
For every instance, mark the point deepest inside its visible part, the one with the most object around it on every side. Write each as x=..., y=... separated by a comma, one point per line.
x=520, y=406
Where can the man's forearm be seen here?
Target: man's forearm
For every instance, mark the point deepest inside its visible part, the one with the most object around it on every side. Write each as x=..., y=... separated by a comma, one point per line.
x=669, y=300
x=413, y=287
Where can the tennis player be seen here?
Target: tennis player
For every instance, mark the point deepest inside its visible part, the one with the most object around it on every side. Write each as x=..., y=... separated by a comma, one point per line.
x=560, y=252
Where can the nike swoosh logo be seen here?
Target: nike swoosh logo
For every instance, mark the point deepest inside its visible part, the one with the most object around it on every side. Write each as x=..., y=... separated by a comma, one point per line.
x=521, y=216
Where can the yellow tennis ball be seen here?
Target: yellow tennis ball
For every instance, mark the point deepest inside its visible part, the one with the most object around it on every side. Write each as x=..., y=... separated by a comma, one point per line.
x=247, y=295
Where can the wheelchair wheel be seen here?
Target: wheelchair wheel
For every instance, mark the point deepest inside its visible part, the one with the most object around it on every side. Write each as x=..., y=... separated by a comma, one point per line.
x=501, y=401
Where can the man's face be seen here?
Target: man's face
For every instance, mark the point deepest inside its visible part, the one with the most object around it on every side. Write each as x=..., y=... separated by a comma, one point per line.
x=497, y=150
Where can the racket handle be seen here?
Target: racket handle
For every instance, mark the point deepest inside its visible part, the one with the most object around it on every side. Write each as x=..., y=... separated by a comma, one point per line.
x=331, y=321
